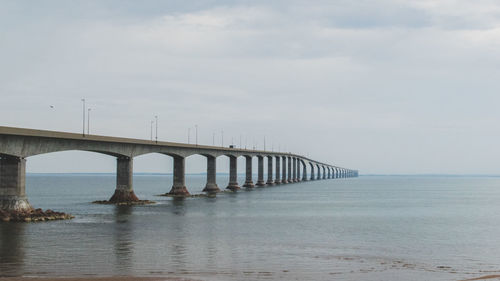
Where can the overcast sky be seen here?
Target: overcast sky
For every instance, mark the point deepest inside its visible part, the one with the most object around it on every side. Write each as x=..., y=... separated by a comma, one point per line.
x=386, y=87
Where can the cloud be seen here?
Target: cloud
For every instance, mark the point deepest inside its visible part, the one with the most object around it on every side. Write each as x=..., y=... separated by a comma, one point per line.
x=377, y=77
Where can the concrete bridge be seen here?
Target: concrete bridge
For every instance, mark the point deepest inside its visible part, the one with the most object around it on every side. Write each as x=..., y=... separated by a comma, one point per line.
x=17, y=144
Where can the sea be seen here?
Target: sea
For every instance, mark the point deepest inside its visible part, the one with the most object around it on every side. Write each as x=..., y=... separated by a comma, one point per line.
x=366, y=228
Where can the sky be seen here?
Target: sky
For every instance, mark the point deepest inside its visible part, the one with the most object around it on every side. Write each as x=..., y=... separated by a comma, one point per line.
x=382, y=86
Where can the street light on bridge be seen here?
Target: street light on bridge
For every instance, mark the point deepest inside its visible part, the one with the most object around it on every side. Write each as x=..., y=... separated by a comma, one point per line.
x=88, y=121
x=83, y=129
x=156, y=118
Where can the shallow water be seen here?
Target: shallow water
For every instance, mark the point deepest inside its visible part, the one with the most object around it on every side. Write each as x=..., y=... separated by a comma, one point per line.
x=367, y=228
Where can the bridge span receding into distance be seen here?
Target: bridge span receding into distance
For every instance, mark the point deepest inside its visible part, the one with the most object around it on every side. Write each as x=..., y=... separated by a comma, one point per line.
x=17, y=144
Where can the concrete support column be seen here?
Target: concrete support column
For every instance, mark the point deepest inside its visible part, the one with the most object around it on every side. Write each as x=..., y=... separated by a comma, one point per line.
x=13, y=184
x=329, y=173
x=297, y=167
x=318, y=177
x=304, y=172
x=294, y=169
x=179, y=186
x=260, y=172
x=211, y=186
x=290, y=179
x=124, y=191
x=324, y=172
x=312, y=172
x=248, y=178
x=278, y=177
x=270, y=180
x=283, y=176
x=233, y=176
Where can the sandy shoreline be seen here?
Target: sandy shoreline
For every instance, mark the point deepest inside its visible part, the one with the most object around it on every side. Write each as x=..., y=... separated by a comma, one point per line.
x=111, y=278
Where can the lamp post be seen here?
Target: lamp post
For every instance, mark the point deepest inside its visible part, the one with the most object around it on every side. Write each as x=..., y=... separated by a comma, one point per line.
x=156, y=118
x=88, y=121
x=222, y=137
x=83, y=130
x=189, y=134
x=196, y=129
x=213, y=139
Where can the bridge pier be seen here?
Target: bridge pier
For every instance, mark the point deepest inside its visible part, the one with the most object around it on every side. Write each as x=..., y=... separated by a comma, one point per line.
x=324, y=172
x=211, y=186
x=124, y=191
x=13, y=184
x=329, y=173
x=312, y=173
x=233, y=174
x=179, y=186
x=294, y=169
x=248, y=179
x=289, y=160
x=278, y=177
x=283, y=170
x=297, y=170
x=319, y=173
x=260, y=180
x=304, y=172
x=270, y=170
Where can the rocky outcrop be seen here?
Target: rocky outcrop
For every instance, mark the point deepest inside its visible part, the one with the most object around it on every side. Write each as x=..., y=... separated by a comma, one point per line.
x=36, y=215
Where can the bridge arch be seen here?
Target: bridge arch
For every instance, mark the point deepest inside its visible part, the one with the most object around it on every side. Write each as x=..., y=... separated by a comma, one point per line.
x=313, y=176
x=304, y=172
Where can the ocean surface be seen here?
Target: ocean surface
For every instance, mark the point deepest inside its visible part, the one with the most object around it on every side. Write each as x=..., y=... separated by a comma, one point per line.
x=366, y=228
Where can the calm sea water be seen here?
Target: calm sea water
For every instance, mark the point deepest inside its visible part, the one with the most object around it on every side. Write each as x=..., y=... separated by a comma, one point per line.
x=367, y=228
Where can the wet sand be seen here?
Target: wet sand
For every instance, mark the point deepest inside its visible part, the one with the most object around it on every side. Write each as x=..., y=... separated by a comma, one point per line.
x=114, y=278
x=486, y=277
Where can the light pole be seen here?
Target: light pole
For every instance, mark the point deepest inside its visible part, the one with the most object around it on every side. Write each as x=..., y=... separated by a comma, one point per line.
x=213, y=139
x=189, y=134
x=88, y=121
x=156, y=118
x=264, y=143
x=83, y=130
x=222, y=137
x=196, y=129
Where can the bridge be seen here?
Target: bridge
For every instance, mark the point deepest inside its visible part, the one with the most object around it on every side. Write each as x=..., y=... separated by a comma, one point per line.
x=17, y=144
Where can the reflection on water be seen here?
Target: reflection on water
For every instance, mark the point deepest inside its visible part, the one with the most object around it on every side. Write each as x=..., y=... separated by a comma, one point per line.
x=123, y=239
x=370, y=228
x=12, y=246
x=178, y=206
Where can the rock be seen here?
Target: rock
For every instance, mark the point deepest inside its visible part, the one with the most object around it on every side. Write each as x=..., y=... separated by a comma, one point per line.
x=37, y=215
